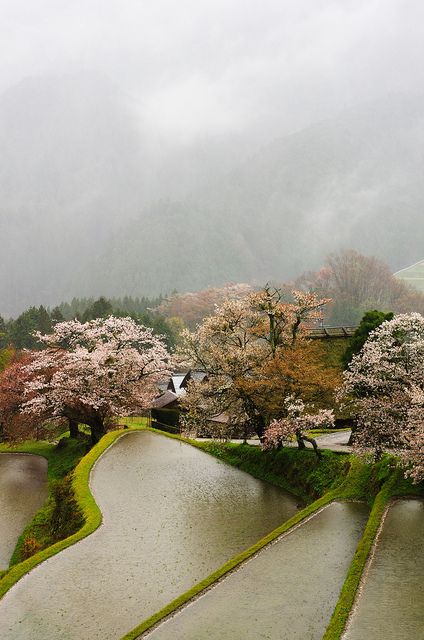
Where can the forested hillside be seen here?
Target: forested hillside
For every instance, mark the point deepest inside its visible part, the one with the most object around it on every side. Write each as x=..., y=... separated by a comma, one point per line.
x=87, y=210
x=355, y=181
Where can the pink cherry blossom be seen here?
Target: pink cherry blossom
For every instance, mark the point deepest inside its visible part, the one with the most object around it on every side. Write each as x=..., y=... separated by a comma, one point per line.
x=93, y=371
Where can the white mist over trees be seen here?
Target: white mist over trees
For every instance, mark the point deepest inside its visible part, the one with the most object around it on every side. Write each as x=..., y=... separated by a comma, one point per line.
x=160, y=148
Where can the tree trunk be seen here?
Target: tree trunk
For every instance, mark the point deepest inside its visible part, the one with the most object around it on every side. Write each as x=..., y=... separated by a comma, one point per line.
x=352, y=433
x=97, y=430
x=300, y=437
x=258, y=423
x=73, y=428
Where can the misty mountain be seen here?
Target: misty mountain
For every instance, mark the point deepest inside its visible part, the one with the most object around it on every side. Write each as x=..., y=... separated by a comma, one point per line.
x=76, y=164
x=353, y=181
x=69, y=173
x=93, y=203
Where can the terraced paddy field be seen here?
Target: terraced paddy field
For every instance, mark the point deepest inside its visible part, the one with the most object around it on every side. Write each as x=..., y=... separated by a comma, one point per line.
x=23, y=490
x=171, y=516
x=413, y=275
x=286, y=592
x=390, y=606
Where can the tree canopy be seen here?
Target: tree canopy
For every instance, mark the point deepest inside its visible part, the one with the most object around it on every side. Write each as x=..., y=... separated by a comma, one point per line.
x=370, y=321
x=386, y=383
x=92, y=372
x=254, y=355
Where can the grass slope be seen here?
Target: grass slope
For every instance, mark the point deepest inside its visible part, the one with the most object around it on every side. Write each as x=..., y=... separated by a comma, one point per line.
x=413, y=275
x=60, y=506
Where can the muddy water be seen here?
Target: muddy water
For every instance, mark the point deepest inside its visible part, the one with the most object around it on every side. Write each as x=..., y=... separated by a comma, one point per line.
x=391, y=604
x=23, y=490
x=172, y=515
x=288, y=591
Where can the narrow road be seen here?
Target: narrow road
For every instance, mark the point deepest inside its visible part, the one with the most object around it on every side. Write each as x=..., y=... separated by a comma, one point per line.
x=332, y=441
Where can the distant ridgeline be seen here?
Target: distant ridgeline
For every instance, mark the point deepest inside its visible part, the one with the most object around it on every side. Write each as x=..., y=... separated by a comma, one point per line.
x=413, y=275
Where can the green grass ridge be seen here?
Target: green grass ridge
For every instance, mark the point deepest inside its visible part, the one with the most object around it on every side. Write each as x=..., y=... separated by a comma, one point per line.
x=60, y=516
x=393, y=485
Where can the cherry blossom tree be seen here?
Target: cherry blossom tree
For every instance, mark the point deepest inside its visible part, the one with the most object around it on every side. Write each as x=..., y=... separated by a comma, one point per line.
x=357, y=283
x=241, y=349
x=90, y=372
x=14, y=424
x=295, y=423
x=385, y=381
x=413, y=436
x=192, y=307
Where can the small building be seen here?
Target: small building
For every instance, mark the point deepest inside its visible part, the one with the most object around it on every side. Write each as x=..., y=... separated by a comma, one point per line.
x=165, y=408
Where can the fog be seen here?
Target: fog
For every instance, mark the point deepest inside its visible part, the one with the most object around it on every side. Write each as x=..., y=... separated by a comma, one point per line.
x=154, y=145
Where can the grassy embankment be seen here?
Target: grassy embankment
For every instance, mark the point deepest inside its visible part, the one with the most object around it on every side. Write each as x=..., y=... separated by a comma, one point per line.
x=298, y=470
x=394, y=486
x=375, y=484
x=60, y=516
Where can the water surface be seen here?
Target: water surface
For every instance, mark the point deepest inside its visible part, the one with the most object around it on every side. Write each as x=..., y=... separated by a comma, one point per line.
x=391, y=604
x=171, y=515
x=23, y=490
x=287, y=592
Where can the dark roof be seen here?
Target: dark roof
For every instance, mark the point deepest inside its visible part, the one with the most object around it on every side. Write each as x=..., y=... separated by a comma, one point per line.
x=176, y=383
x=167, y=398
x=193, y=375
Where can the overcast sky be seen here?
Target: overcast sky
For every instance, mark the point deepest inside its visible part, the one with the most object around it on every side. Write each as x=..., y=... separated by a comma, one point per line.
x=219, y=66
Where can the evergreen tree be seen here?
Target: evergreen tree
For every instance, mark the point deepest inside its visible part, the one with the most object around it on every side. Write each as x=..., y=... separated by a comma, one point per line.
x=370, y=321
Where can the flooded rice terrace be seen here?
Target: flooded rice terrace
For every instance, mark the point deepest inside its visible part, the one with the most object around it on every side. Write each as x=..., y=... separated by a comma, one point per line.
x=23, y=490
x=171, y=516
x=391, y=603
x=287, y=592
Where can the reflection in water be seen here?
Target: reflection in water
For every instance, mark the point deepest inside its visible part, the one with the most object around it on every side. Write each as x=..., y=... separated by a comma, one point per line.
x=171, y=515
x=391, y=604
x=23, y=490
x=287, y=592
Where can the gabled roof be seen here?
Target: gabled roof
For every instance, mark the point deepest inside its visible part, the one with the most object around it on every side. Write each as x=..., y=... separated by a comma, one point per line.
x=221, y=418
x=167, y=398
x=194, y=375
x=175, y=383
